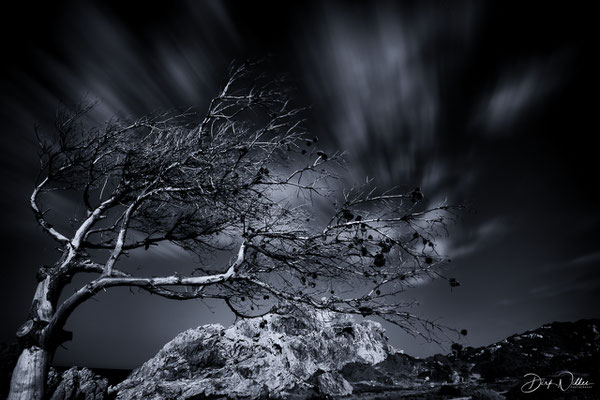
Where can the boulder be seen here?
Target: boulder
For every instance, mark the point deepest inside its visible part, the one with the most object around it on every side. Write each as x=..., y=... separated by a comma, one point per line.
x=258, y=358
x=78, y=384
x=332, y=383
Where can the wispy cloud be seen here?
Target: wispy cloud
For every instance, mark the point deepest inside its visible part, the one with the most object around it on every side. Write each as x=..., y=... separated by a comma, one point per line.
x=585, y=259
x=469, y=241
x=132, y=75
x=517, y=92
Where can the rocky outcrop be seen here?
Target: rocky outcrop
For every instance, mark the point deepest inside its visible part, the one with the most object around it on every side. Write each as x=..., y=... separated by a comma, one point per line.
x=268, y=357
x=77, y=384
x=331, y=383
x=324, y=355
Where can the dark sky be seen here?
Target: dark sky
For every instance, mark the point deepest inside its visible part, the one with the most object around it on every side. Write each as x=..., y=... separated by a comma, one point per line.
x=490, y=104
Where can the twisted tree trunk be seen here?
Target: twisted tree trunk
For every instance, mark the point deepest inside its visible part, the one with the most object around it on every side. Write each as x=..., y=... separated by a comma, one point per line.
x=28, y=380
x=29, y=376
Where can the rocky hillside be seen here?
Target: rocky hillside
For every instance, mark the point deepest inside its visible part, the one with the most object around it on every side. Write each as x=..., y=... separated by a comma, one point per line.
x=497, y=368
x=548, y=349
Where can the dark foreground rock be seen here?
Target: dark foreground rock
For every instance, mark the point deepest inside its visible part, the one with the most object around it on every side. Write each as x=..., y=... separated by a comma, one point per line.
x=77, y=384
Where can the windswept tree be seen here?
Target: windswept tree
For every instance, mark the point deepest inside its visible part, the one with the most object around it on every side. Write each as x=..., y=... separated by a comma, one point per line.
x=244, y=178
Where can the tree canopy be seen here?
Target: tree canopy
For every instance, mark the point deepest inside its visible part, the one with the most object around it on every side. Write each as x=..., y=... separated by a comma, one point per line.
x=245, y=178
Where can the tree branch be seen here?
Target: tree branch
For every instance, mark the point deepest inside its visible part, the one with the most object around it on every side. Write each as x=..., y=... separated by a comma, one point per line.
x=153, y=285
x=40, y=215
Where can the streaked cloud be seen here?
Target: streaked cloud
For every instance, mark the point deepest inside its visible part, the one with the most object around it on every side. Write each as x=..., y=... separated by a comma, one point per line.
x=377, y=76
x=469, y=240
x=518, y=91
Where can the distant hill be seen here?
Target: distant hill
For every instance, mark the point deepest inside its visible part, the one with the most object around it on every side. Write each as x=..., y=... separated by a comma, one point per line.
x=547, y=352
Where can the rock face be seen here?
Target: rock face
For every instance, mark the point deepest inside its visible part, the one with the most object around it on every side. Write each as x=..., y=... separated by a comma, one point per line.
x=307, y=355
x=268, y=357
x=77, y=384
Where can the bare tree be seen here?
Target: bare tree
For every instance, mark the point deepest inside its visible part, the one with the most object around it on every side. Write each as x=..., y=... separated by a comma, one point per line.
x=246, y=178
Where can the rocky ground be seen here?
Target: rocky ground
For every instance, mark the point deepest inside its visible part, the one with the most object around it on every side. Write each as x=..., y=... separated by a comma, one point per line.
x=310, y=356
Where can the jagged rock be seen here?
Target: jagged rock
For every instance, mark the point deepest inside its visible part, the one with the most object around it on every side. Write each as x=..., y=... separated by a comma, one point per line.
x=361, y=372
x=333, y=384
x=256, y=358
x=78, y=384
x=324, y=355
x=53, y=380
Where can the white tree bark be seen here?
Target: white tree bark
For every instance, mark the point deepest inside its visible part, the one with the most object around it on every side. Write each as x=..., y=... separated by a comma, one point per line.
x=29, y=376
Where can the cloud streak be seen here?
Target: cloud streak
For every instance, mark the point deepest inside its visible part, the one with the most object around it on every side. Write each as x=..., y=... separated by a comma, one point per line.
x=517, y=92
